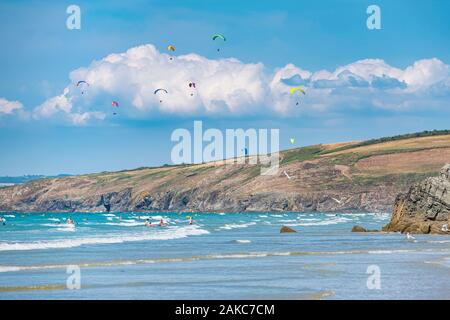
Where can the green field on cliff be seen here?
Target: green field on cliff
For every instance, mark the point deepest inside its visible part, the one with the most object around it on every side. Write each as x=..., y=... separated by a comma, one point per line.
x=366, y=175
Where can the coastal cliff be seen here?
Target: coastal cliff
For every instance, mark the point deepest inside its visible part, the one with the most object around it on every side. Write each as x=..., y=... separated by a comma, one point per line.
x=425, y=208
x=343, y=177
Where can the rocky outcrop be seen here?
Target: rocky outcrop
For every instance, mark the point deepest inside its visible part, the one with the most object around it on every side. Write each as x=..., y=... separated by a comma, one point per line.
x=362, y=229
x=358, y=229
x=425, y=208
x=285, y=229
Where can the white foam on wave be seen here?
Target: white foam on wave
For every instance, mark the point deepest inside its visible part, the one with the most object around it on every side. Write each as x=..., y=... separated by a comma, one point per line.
x=168, y=233
x=54, y=219
x=50, y=225
x=59, y=226
x=124, y=224
x=354, y=214
x=147, y=261
x=66, y=228
x=287, y=220
x=324, y=222
x=109, y=215
x=9, y=216
x=375, y=215
x=11, y=268
x=445, y=261
x=237, y=226
x=390, y=251
x=241, y=241
x=438, y=241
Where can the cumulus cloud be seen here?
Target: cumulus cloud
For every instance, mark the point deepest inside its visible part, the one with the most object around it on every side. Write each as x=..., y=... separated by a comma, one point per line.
x=52, y=106
x=9, y=107
x=83, y=118
x=230, y=87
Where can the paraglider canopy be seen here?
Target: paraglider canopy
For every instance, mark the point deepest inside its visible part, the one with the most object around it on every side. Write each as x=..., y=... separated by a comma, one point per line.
x=170, y=48
x=297, y=89
x=82, y=81
x=218, y=35
x=79, y=83
x=160, y=89
x=293, y=90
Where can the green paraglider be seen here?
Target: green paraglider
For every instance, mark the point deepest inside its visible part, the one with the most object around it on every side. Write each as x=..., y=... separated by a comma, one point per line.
x=219, y=36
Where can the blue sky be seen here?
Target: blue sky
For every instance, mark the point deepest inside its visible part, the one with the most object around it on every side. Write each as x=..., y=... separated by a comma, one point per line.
x=39, y=53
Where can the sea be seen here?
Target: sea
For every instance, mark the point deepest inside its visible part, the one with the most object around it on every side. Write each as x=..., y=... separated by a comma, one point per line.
x=219, y=256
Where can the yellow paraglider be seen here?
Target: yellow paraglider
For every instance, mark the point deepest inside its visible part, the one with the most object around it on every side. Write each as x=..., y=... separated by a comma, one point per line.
x=297, y=89
x=170, y=48
x=293, y=90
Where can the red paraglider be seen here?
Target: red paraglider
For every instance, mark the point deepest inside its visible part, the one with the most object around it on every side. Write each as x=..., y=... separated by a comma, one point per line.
x=115, y=104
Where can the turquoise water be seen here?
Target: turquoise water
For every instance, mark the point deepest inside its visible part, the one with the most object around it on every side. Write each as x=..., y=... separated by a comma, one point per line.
x=221, y=256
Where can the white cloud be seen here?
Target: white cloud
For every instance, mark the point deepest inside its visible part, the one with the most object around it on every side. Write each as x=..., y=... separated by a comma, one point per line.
x=52, y=106
x=9, y=107
x=231, y=87
x=83, y=118
x=221, y=85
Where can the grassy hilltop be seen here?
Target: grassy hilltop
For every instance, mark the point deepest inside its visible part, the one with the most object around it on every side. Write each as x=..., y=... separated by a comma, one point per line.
x=349, y=176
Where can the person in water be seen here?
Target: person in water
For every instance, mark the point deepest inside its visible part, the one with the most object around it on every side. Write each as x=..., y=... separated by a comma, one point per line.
x=148, y=223
x=190, y=220
x=70, y=221
x=162, y=223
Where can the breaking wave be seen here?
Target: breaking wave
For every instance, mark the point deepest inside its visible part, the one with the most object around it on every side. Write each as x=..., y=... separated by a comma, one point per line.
x=237, y=226
x=246, y=255
x=168, y=233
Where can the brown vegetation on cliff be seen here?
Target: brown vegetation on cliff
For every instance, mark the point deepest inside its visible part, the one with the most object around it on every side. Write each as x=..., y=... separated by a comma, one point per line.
x=345, y=177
